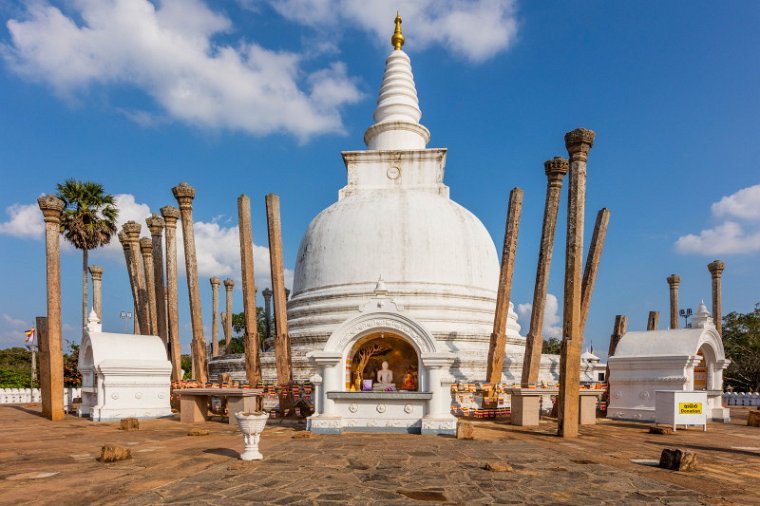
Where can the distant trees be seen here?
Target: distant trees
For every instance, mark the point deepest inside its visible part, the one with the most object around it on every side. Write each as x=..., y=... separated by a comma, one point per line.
x=741, y=340
x=552, y=346
x=15, y=368
x=88, y=222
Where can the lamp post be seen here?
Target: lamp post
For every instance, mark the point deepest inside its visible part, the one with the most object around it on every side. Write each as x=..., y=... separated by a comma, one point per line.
x=126, y=315
x=685, y=314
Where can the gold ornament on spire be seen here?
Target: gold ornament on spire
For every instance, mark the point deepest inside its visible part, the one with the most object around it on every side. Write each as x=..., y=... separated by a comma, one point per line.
x=398, y=38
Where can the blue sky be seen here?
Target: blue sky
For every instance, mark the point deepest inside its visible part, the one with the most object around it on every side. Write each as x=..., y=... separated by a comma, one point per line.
x=261, y=96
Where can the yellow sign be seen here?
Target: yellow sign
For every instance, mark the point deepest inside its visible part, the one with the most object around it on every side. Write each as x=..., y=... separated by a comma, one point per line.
x=689, y=408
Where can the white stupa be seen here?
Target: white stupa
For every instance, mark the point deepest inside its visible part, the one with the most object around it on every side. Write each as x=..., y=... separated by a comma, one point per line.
x=394, y=222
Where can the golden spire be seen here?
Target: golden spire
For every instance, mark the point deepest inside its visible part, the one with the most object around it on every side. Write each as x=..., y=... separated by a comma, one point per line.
x=398, y=38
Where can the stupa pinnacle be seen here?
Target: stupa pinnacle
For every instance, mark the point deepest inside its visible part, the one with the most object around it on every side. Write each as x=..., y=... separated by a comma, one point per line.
x=397, y=115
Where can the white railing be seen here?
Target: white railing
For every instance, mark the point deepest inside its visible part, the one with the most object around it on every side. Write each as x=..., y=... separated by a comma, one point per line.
x=32, y=395
x=741, y=398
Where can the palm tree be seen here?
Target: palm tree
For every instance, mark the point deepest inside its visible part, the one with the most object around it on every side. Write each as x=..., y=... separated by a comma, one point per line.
x=88, y=222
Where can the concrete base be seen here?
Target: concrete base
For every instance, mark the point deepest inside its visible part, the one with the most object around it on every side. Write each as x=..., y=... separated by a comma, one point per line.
x=525, y=409
x=325, y=424
x=722, y=415
x=193, y=409
x=443, y=425
x=587, y=411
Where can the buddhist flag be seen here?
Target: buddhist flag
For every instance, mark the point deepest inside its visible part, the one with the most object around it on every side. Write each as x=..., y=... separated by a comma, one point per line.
x=29, y=335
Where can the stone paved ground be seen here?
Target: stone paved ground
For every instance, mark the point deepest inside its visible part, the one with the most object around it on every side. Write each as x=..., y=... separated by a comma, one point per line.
x=54, y=463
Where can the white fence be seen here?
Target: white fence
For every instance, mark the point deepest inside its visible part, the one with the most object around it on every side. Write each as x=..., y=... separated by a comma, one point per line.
x=32, y=395
x=741, y=398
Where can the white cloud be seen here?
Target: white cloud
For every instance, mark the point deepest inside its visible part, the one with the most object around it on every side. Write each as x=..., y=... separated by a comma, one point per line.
x=168, y=51
x=744, y=204
x=25, y=221
x=12, y=331
x=729, y=237
x=473, y=29
x=552, y=326
x=725, y=239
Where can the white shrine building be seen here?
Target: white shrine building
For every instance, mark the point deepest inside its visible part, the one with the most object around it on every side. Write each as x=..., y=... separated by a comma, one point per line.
x=690, y=359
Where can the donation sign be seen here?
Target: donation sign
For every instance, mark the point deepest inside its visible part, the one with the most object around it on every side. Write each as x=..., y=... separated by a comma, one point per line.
x=689, y=408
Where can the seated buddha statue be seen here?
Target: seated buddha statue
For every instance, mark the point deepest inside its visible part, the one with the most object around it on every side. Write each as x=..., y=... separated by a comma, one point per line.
x=384, y=378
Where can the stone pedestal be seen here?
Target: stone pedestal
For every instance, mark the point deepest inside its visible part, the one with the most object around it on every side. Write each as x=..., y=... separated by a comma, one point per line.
x=587, y=408
x=193, y=409
x=525, y=408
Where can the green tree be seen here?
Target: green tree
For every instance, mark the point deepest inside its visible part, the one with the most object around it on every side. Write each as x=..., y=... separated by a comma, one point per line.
x=238, y=323
x=186, y=362
x=88, y=222
x=71, y=374
x=741, y=340
x=15, y=368
x=552, y=346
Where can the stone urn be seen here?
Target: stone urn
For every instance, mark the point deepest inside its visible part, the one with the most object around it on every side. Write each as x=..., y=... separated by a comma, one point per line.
x=251, y=425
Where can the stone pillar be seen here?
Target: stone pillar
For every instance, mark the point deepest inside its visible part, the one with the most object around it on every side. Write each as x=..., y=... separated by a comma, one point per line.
x=578, y=143
x=251, y=338
x=592, y=263
x=653, y=320
x=170, y=215
x=132, y=281
x=281, y=341
x=499, y=334
x=555, y=170
x=96, y=272
x=156, y=226
x=716, y=272
x=184, y=193
x=267, y=293
x=227, y=322
x=51, y=353
x=215, y=282
x=674, y=281
x=132, y=231
x=146, y=248
x=618, y=331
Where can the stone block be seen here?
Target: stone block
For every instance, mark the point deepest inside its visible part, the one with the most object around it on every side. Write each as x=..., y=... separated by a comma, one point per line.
x=753, y=418
x=465, y=430
x=129, y=424
x=676, y=459
x=113, y=453
x=665, y=431
x=498, y=467
x=198, y=432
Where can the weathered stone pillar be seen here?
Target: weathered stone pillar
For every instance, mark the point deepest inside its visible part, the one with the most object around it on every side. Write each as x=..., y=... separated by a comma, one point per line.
x=555, y=170
x=146, y=248
x=716, y=271
x=499, y=334
x=227, y=320
x=578, y=143
x=618, y=331
x=653, y=320
x=592, y=263
x=251, y=338
x=674, y=281
x=281, y=340
x=184, y=193
x=267, y=293
x=156, y=226
x=96, y=272
x=132, y=281
x=51, y=353
x=170, y=215
x=132, y=231
x=215, y=282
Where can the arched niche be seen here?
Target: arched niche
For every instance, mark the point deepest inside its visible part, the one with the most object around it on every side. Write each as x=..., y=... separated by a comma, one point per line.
x=365, y=358
x=363, y=328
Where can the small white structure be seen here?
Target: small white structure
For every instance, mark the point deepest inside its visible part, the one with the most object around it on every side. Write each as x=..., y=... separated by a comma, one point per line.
x=593, y=370
x=682, y=359
x=679, y=407
x=123, y=375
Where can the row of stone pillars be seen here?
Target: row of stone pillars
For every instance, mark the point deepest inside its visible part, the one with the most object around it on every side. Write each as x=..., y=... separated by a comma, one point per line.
x=579, y=282
x=715, y=268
